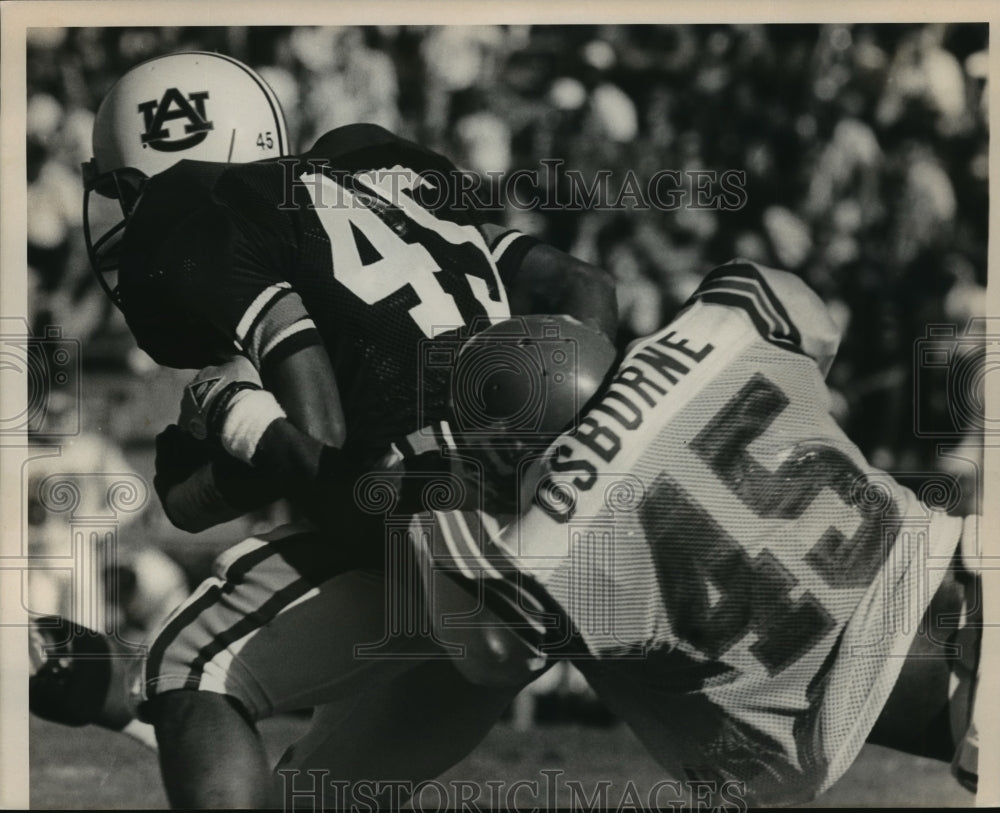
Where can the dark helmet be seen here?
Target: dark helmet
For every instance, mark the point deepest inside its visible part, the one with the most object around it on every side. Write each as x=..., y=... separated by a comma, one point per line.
x=520, y=383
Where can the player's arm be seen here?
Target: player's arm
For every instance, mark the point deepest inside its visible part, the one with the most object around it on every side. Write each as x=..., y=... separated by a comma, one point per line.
x=284, y=355
x=306, y=389
x=228, y=406
x=542, y=279
x=283, y=345
x=202, y=485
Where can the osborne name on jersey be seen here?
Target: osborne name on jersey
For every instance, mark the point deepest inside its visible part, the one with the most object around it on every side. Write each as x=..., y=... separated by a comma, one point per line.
x=646, y=377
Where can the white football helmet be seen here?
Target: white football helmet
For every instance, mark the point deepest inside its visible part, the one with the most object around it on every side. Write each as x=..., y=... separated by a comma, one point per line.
x=191, y=105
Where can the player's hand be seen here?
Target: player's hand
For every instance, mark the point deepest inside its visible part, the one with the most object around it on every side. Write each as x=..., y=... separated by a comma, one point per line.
x=178, y=455
x=226, y=403
x=208, y=395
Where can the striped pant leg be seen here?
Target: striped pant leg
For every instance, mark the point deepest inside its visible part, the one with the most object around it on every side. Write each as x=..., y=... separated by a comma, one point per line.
x=277, y=627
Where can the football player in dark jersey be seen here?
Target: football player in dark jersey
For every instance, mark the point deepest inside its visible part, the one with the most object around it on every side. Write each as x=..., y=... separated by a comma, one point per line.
x=332, y=274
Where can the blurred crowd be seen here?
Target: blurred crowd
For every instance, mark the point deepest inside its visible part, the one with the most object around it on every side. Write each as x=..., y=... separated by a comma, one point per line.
x=863, y=148
x=860, y=153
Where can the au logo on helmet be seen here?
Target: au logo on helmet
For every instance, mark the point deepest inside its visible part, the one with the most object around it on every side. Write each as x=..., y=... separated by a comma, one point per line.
x=172, y=106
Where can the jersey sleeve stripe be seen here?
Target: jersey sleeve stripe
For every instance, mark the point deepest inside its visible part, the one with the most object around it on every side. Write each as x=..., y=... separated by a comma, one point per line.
x=754, y=290
x=749, y=272
x=303, y=338
x=247, y=553
x=478, y=539
x=743, y=287
x=745, y=303
x=489, y=524
x=281, y=310
x=512, y=584
x=260, y=302
x=503, y=242
x=463, y=544
x=509, y=251
x=280, y=327
x=459, y=558
x=506, y=595
x=291, y=330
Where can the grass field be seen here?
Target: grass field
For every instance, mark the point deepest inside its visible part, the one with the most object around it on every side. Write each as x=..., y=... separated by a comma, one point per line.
x=93, y=768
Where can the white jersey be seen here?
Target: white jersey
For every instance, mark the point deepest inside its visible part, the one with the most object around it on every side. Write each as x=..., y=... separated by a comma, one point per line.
x=745, y=583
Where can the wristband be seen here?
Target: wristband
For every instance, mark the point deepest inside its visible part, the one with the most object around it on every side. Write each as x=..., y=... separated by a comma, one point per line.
x=250, y=412
x=220, y=405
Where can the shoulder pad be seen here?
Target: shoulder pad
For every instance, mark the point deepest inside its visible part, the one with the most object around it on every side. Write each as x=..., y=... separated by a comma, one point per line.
x=369, y=146
x=785, y=310
x=350, y=137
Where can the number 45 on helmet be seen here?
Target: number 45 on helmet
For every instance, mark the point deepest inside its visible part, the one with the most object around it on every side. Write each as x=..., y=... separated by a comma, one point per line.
x=194, y=105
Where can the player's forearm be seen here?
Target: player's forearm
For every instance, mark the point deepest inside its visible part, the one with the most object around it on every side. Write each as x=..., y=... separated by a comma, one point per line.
x=316, y=477
x=551, y=281
x=263, y=444
x=289, y=455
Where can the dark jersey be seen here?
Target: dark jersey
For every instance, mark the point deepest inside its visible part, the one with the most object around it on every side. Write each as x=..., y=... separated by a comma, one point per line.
x=361, y=243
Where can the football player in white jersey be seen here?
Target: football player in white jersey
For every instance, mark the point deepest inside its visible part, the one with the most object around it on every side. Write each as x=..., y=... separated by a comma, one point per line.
x=742, y=586
x=722, y=563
